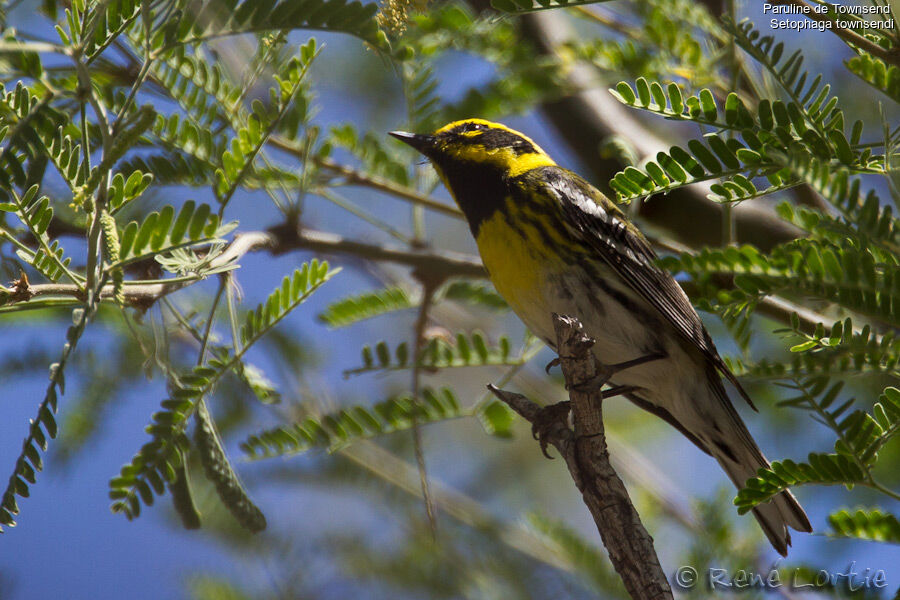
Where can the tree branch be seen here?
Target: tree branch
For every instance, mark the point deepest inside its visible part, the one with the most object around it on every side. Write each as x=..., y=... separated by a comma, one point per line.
x=276, y=241
x=629, y=545
x=441, y=264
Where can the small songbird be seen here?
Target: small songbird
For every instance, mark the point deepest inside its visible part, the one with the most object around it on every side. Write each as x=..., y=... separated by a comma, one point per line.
x=553, y=243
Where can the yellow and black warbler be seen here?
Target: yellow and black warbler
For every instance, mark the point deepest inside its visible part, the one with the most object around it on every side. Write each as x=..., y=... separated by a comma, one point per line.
x=552, y=243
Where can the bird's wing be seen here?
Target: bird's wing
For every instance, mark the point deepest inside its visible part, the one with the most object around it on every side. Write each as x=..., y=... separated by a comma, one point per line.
x=600, y=224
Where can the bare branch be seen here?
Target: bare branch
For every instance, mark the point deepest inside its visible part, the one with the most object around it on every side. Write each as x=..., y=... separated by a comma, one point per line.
x=356, y=177
x=629, y=545
x=277, y=241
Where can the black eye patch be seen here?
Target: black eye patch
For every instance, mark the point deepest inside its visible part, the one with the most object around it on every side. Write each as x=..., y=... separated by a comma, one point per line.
x=499, y=138
x=469, y=127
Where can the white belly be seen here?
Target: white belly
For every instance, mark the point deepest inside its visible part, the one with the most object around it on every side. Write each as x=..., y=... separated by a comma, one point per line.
x=620, y=335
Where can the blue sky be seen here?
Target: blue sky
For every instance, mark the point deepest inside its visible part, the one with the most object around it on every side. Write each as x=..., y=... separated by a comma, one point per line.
x=68, y=544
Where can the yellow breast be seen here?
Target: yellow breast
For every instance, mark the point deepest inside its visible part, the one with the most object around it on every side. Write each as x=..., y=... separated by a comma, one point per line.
x=519, y=266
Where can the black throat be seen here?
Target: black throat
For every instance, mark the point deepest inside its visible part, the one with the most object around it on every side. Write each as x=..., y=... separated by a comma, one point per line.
x=479, y=190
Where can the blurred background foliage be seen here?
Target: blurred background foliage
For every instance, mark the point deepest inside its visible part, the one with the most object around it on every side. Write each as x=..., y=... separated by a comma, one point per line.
x=166, y=164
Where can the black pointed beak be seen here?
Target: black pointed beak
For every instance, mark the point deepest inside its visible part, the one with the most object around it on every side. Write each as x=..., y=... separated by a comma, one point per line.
x=422, y=143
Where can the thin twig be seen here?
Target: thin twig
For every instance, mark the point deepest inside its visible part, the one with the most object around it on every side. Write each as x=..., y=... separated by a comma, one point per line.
x=286, y=239
x=355, y=177
x=396, y=471
x=629, y=545
x=428, y=289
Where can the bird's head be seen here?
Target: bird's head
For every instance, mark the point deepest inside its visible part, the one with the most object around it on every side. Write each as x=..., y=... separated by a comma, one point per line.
x=476, y=160
x=477, y=144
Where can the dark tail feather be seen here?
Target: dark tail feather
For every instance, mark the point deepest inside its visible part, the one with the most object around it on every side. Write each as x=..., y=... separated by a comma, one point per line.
x=774, y=516
x=741, y=458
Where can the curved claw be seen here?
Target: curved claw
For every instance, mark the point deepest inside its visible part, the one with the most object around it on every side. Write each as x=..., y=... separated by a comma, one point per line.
x=551, y=364
x=544, y=422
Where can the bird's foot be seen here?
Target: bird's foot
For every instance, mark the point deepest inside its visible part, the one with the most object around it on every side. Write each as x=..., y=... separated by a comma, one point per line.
x=546, y=420
x=606, y=372
x=553, y=363
x=611, y=370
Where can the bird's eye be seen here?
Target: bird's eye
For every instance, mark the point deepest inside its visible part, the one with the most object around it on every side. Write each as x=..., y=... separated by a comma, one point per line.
x=473, y=127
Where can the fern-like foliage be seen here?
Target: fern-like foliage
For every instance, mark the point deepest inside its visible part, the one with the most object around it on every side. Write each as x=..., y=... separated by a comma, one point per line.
x=29, y=123
x=239, y=159
x=822, y=469
x=165, y=230
x=780, y=140
x=218, y=469
x=865, y=222
x=372, y=151
x=871, y=524
x=420, y=89
x=860, y=436
x=876, y=73
x=867, y=349
x=217, y=18
x=789, y=141
x=852, y=276
x=811, y=97
x=522, y=77
x=474, y=294
x=44, y=426
x=157, y=462
x=334, y=431
x=360, y=307
x=107, y=24
x=465, y=351
x=199, y=87
x=36, y=213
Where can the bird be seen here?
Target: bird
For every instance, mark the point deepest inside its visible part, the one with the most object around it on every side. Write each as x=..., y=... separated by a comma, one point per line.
x=553, y=243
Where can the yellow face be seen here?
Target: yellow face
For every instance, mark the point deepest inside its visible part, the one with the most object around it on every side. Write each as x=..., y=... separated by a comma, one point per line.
x=476, y=159
x=485, y=142
x=478, y=142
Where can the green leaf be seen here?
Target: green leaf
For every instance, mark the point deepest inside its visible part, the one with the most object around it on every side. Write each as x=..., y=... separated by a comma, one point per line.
x=876, y=73
x=162, y=232
x=354, y=309
x=219, y=470
x=214, y=18
x=496, y=418
x=339, y=429
x=822, y=469
x=803, y=347
x=872, y=524
x=438, y=353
